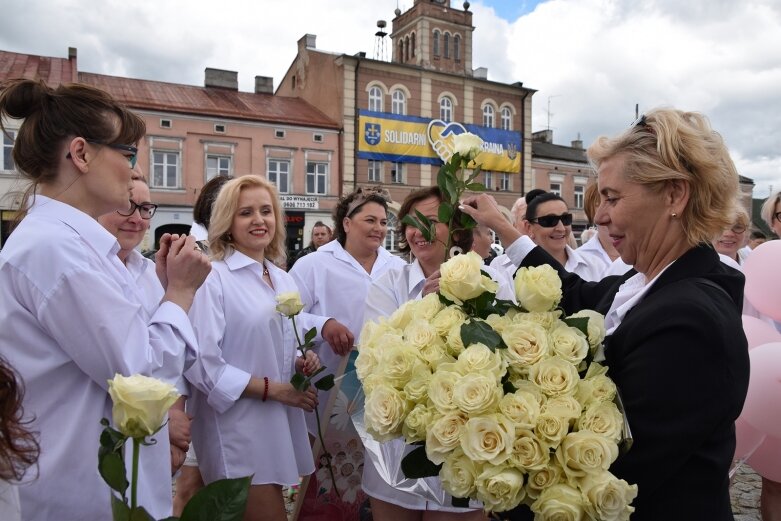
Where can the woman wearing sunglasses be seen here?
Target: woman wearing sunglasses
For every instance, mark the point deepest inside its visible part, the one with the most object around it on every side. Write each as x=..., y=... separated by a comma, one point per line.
x=70, y=316
x=549, y=224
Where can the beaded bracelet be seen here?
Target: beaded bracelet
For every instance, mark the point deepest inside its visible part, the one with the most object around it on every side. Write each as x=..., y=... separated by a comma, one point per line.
x=265, y=388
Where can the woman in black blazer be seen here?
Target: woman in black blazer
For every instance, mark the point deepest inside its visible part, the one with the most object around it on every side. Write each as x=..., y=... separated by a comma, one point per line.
x=675, y=346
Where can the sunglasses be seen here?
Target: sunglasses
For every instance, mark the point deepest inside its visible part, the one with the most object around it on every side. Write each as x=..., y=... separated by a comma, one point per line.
x=549, y=221
x=145, y=210
x=777, y=216
x=132, y=158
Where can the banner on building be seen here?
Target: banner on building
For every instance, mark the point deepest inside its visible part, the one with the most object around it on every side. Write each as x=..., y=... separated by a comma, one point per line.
x=411, y=139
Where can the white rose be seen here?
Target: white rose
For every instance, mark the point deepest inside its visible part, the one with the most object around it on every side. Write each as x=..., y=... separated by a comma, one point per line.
x=596, y=386
x=289, y=303
x=551, y=428
x=565, y=406
x=554, y=376
x=444, y=321
x=467, y=145
x=402, y=316
x=398, y=363
x=569, y=343
x=539, y=480
x=444, y=435
x=477, y=393
x=416, y=423
x=538, y=288
x=416, y=389
x=459, y=473
x=478, y=357
x=440, y=390
x=498, y=322
x=527, y=343
x=366, y=362
x=609, y=498
x=454, y=343
x=428, y=307
x=488, y=438
x=522, y=408
x=384, y=412
x=596, y=326
x=602, y=418
x=529, y=453
x=584, y=452
x=461, y=278
x=141, y=404
x=560, y=502
x=544, y=318
x=500, y=488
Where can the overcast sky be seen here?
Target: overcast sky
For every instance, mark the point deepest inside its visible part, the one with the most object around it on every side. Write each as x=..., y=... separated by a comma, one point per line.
x=590, y=60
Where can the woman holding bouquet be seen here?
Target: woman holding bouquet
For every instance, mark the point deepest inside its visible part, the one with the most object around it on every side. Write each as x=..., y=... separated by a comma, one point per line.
x=248, y=417
x=386, y=295
x=667, y=186
x=72, y=317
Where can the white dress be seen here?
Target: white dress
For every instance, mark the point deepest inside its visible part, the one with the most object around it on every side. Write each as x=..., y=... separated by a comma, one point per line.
x=72, y=317
x=386, y=295
x=240, y=334
x=332, y=283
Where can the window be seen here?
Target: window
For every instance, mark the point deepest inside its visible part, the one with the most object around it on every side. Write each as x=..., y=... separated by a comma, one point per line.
x=413, y=45
x=375, y=99
x=397, y=173
x=446, y=44
x=6, y=153
x=504, y=182
x=436, y=43
x=399, y=105
x=406, y=49
x=446, y=109
x=579, y=196
x=488, y=116
x=279, y=174
x=401, y=50
x=219, y=128
x=316, y=177
x=457, y=48
x=375, y=171
x=317, y=138
x=488, y=180
x=556, y=188
x=390, y=237
x=166, y=123
x=279, y=134
x=165, y=169
x=217, y=165
x=507, y=119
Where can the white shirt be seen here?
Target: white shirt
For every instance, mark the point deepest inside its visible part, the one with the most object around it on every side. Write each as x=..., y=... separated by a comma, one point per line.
x=73, y=317
x=386, y=295
x=582, y=266
x=10, y=510
x=332, y=283
x=240, y=334
x=593, y=251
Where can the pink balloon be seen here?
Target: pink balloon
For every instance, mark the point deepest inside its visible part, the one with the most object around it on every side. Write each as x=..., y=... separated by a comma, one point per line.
x=766, y=460
x=759, y=332
x=748, y=439
x=763, y=278
x=761, y=409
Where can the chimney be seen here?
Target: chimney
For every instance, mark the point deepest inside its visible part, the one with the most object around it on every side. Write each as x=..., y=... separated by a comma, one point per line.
x=73, y=62
x=264, y=85
x=481, y=73
x=577, y=143
x=221, y=79
x=307, y=42
x=543, y=136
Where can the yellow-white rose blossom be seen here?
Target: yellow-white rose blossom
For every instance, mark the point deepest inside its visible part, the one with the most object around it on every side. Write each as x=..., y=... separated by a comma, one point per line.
x=477, y=393
x=538, y=288
x=488, y=438
x=289, y=303
x=500, y=488
x=444, y=435
x=584, y=452
x=608, y=497
x=596, y=326
x=141, y=404
x=461, y=278
x=385, y=410
x=560, y=502
x=467, y=145
x=459, y=474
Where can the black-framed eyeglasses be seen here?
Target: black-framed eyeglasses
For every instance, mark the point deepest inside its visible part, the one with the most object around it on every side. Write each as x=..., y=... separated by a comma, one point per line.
x=145, y=210
x=738, y=228
x=132, y=158
x=549, y=221
x=777, y=216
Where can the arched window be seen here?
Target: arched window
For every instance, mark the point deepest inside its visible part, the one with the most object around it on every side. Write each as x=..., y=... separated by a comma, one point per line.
x=446, y=45
x=406, y=49
x=488, y=116
x=446, y=109
x=507, y=119
x=413, y=45
x=390, y=238
x=399, y=103
x=375, y=99
x=457, y=48
x=401, y=51
x=436, y=43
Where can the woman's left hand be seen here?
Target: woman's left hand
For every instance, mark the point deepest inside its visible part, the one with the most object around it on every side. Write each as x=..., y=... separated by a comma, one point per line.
x=338, y=336
x=308, y=364
x=432, y=283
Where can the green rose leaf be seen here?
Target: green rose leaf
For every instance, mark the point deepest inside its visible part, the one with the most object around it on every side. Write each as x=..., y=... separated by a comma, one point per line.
x=416, y=465
x=299, y=382
x=475, y=173
x=579, y=323
x=310, y=335
x=222, y=500
x=120, y=511
x=112, y=469
x=140, y=514
x=474, y=332
x=475, y=187
x=325, y=383
x=111, y=439
x=445, y=212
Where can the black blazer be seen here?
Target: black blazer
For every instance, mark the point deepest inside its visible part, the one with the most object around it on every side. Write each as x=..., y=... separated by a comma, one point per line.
x=680, y=361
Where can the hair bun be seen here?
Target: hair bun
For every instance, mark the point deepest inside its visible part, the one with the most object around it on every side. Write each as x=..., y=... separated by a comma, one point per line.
x=533, y=194
x=20, y=98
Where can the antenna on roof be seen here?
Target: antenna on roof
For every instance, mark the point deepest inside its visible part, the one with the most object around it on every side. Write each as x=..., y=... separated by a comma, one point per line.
x=379, y=41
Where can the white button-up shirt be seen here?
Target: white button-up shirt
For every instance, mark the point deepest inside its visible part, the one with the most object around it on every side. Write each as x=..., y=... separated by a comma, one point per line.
x=72, y=317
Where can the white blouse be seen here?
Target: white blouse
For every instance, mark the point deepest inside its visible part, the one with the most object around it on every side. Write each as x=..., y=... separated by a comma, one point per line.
x=332, y=283
x=72, y=317
x=240, y=334
x=576, y=263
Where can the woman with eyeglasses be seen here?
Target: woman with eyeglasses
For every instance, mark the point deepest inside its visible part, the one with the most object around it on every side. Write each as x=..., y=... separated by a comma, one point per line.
x=771, y=212
x=675, y=345
x=732, y=239
x=549, y=224
x=71, y=315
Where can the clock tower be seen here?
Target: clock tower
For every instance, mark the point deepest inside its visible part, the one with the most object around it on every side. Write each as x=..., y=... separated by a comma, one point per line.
x=433, y=35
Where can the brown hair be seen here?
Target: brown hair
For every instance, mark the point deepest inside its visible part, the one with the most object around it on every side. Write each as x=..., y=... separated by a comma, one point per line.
x=461, y=238
x=18, y=447
x=202, y=211
x=591, y=201
x=352, y=202
x=225, y=208
x=51, y=116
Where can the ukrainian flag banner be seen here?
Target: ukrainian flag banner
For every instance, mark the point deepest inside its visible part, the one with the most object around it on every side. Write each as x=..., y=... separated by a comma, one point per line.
x=411, y=139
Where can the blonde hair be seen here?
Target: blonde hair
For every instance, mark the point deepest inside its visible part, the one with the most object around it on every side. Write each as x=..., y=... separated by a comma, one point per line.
x=224, y=210
x=667, y=145
x=769, y=207
x=741, y=217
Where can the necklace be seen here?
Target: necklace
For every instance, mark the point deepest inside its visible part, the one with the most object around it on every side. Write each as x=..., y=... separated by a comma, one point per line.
x=265, y=271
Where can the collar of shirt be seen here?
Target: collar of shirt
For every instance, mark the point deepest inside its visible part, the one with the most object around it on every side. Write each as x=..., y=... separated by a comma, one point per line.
x=594, y=246
x=235, y=260
x=574, y=259
x=136, y=263
x=416, y=280
x=338, y=251
x=93, y=232
x=628, y=296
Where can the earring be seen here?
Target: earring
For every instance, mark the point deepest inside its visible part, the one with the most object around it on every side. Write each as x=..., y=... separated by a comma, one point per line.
x=673, y=215
x=229, y=237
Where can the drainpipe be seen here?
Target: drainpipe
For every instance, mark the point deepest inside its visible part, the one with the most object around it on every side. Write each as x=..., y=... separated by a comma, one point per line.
x=355, y=126
x=523, y=139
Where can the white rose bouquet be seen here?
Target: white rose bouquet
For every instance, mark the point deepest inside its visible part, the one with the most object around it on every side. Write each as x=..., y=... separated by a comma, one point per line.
x=504, y=402
x=140, y=407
